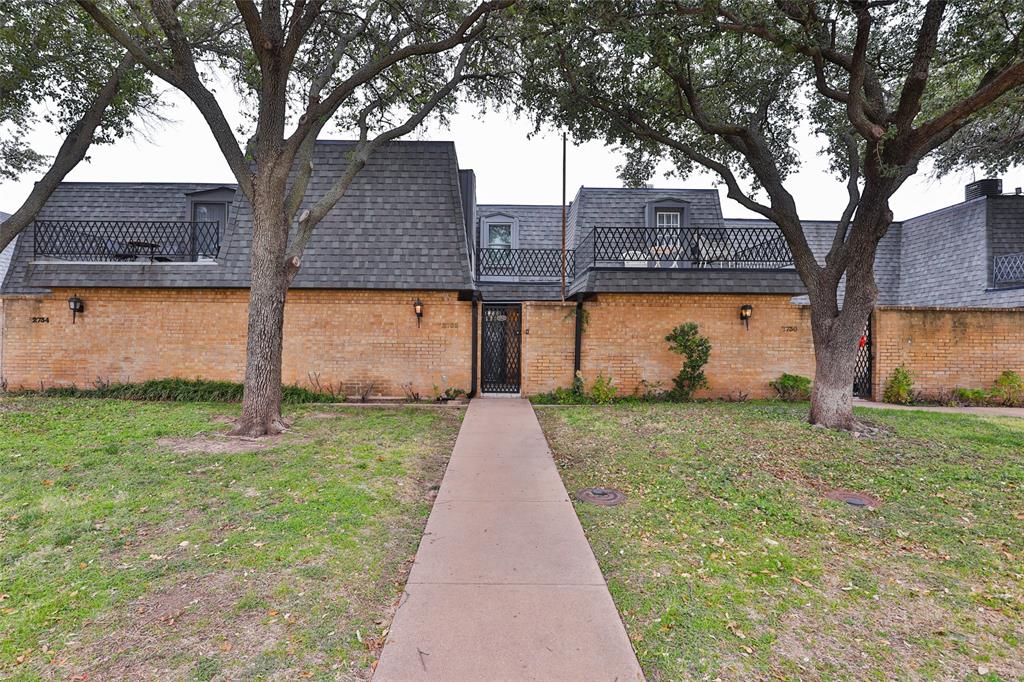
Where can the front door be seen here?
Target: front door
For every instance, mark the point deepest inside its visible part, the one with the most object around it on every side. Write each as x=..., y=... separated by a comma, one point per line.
x=862, y=377
x=501, y=347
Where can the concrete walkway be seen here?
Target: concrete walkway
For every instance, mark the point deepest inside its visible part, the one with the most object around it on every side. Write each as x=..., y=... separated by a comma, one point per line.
x=977, y=411
x=504, y=585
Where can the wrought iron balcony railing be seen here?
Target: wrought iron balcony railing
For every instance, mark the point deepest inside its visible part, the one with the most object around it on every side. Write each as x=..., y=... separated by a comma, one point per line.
x=126, y=241
x=524, y=264
x=757, y=248
x=1008, y=269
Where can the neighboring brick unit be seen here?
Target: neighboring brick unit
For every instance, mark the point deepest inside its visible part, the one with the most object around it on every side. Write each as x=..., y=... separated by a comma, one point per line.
x=946, y=348
x=351, y=337
x=625, y=339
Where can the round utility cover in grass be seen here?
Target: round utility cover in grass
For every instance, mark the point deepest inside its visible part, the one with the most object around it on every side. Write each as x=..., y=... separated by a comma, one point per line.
x=854, y=499
x=604, y=497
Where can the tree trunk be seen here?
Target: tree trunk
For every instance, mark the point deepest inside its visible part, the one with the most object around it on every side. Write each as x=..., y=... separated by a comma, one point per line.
x=837, y=331
x=261, y=402
x=832, y=393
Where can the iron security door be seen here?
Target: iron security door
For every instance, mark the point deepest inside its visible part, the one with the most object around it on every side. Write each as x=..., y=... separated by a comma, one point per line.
x=862, y=372
x=501, y=347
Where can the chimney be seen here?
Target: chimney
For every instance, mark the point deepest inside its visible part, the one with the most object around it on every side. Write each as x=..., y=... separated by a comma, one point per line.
x=983, y=188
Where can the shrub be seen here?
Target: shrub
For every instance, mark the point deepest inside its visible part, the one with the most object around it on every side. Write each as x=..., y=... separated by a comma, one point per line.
x=180, y=390
x=686, y=340
x=900, y=388
x=648, y=391
x=603, y=392
x=564, y=396
x=452, y=394
x=1008, y=389
x=792, y=387
x=973, y=397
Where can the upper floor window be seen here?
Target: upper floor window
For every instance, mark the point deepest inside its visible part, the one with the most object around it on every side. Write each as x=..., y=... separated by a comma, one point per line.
x=668, y=218
x=499, y=235
x=210, y=212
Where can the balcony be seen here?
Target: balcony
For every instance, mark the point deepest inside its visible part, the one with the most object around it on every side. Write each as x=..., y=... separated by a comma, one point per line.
x=1008, y=269
x=686, y=248
x=119, y=241
x=651, y=248
x=519, y=265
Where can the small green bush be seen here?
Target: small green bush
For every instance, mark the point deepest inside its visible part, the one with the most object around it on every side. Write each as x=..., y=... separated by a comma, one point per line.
x=1008, y=389
x=603, y=392
x=900, y=388
x=686, y=340
x=792, y=387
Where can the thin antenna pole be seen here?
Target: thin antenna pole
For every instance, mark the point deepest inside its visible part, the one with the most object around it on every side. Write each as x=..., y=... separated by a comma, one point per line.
x=563, y=215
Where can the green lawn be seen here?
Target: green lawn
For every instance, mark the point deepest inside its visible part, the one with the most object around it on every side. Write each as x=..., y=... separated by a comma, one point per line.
x=728, y=561
x=133, y=548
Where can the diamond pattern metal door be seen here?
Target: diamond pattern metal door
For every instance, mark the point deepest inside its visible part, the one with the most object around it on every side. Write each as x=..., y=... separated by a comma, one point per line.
x=501, y=347
x=862, y=373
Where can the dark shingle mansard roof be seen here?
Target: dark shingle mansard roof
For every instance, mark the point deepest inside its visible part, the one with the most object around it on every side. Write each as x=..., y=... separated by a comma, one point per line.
x=819, y=235
x=400, y=226
x=5, y=255
x=619, y=207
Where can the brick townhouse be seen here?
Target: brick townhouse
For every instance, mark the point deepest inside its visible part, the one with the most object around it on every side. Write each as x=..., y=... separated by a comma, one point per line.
x=410, y=284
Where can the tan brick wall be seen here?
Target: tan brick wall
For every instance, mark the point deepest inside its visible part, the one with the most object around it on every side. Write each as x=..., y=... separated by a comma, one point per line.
x=549, y=334
x=348, y=337
x=625, y=339
x=947, y=348
x=354, y=338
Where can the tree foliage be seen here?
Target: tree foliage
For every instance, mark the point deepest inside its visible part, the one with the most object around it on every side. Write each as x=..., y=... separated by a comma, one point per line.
x=53, y=64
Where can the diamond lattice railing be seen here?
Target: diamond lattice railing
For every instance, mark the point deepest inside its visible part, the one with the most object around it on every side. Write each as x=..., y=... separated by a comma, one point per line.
x=1008, y=269
x=761, y=248
x=525, y=263
x=125, y=240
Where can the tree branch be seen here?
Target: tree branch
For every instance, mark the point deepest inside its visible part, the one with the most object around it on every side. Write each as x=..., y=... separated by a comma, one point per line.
x=837, y=254
x=359, y=156
x=917, y=76
x=934, y=131
x=858, y=66
x=463, y=34
x=70, y=154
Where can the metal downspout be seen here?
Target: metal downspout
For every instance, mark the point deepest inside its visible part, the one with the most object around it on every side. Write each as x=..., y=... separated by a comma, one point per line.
x=473, y=344
x=579, y=338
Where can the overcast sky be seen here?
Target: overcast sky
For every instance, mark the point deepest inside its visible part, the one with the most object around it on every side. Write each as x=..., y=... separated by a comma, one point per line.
x=510, y=167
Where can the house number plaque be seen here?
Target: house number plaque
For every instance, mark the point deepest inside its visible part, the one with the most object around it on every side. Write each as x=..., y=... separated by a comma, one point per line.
x=40, y=320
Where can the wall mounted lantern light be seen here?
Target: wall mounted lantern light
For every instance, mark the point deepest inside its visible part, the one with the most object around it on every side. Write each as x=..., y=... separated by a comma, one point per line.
x=745, y=312
x=418, y=309
x=76, y=305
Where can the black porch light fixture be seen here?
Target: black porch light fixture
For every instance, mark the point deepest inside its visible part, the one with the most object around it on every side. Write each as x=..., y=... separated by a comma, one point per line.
x=746, y=311
x=418, y=309
x=76, y=305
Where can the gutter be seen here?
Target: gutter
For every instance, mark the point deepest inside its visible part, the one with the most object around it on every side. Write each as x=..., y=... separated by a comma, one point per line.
x=473, y=344
x=579, y=337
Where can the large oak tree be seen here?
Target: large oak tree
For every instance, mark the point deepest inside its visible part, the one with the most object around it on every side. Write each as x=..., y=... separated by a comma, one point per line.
x=728, y=85
x=377, y=67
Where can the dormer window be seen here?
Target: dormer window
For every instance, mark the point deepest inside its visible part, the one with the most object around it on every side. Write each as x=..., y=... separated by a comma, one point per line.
x=668, y=219
x=210, y=212
x=499, y=235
